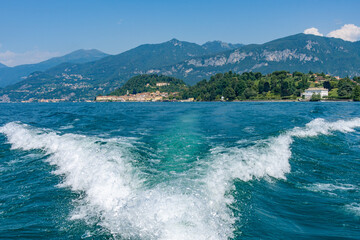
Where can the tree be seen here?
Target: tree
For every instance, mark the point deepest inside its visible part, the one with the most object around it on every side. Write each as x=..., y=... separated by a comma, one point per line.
x=229, y=94
x=261, y=86
x=327, y=85
x=356, y=79
x=297, y=74
x=286, y=89
x=240, y=87
x=315, y=98
x=266, y=86
x=356, y=93
x=249, y=92
x=344, y=89
x=258, y=75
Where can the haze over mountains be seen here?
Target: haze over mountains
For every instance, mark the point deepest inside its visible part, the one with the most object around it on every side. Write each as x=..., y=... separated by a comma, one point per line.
x=191, y=62
x=11, y=75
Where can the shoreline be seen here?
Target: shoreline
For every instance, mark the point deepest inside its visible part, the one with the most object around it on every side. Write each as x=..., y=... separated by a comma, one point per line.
x=236, y=101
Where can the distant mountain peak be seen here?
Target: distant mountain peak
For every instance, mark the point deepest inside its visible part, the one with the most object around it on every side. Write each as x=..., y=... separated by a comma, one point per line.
x=15, y=74
x=175, y=42
x=82, y=50
x=85, y=52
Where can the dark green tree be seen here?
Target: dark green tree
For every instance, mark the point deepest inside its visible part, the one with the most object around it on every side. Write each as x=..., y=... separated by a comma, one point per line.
x=229, y=94
x=345, y=89
x=286, y=89
x=266, y=86
x=249, y=93
x=327, y=85
x=356, y=93
x=261, y=86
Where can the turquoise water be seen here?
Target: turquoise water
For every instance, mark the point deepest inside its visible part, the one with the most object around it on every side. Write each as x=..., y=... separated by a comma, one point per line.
x=180, y=171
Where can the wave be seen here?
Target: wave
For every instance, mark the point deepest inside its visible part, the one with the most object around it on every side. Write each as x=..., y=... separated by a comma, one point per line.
x=115, y=193
x=266, y=159
x=328, y=187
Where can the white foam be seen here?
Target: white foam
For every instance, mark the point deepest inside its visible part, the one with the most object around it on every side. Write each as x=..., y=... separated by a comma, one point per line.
x=328, y=187
x=69, y=126
x=114, y=190
x=320, y=126
x=268, y=158
x=101, y=171
x=354, y=208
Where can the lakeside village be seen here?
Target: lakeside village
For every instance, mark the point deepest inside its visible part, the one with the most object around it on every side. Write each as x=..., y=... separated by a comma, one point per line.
x=144, y=97
x=277, y=86
x=309, y=94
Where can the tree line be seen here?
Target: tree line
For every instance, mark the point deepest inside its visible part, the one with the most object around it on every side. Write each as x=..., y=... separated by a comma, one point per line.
x=278, y=85
x=230, y=86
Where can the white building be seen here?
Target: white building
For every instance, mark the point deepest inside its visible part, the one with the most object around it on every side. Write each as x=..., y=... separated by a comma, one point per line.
x=161, y=84
x=311, y=91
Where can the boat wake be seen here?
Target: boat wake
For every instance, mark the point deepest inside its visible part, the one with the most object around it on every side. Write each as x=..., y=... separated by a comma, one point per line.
x=115, y=193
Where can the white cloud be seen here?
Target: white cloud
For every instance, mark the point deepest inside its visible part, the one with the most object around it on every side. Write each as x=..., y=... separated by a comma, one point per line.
x=313, y=31
x=348, y=32
x=11, y=59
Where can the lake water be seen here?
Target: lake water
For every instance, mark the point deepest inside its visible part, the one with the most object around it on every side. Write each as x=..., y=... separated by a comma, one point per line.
x=180, y=171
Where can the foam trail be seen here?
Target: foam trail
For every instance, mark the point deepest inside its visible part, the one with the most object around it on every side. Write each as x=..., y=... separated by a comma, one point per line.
x=115, y=192
x=268, y=158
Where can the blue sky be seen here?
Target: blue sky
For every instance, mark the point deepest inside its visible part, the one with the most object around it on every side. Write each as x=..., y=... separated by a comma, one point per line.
x=31, y=31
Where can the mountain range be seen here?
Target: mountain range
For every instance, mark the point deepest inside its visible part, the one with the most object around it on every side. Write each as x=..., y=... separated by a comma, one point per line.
x=190, y=62
x=301, y=52
x=11, y=75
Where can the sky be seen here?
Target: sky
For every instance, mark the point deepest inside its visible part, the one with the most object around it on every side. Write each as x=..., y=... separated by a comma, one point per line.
x=33, y=31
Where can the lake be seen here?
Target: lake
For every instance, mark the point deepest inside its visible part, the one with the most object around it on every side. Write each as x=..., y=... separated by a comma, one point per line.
x=180, y=170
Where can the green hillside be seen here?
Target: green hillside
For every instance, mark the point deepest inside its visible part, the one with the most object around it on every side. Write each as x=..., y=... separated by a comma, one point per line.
x=148, y=83
x=279, y=85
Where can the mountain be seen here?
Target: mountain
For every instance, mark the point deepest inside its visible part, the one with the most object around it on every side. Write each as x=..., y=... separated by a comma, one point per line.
x=190, y=62
x=11, y=75
x=299, y=52
x=83, y=81
x=219, y=46
x=138, y=60
x=3, y=65
x=78, y=56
